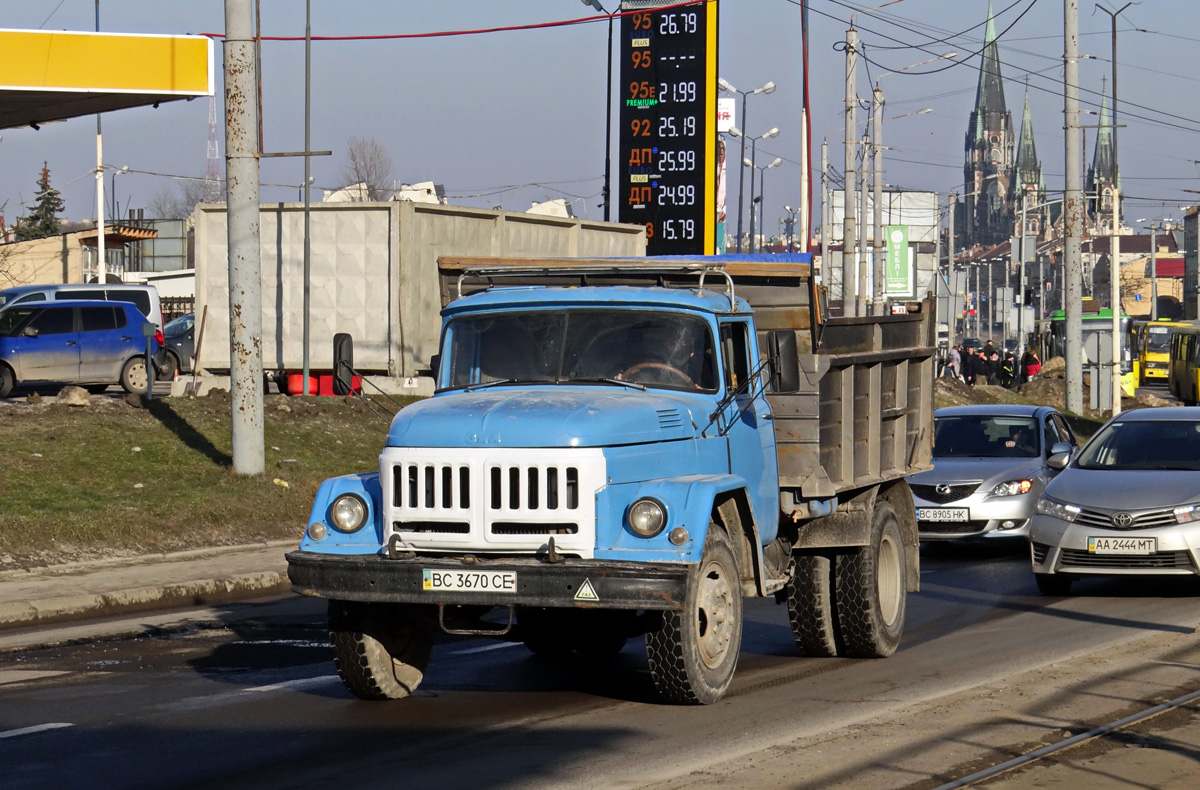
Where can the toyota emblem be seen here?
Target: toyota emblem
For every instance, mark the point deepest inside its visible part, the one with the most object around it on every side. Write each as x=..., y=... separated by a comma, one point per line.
x=1122, y=520
x=942, y=488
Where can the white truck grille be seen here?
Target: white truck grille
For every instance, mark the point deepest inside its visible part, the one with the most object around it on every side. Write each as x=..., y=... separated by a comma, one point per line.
x=489, y=499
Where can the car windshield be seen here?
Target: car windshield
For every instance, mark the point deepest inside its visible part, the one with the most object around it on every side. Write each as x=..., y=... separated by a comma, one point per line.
x=12, y=319
x=985, y=436
x=180, y=326
x=1148, y=444
x=657, y=349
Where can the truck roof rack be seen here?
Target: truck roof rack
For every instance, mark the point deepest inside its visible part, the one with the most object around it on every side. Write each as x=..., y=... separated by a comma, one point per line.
x=462, y=275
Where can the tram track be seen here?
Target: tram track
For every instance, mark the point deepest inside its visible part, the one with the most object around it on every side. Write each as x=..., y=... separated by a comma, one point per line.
x=1044, y=753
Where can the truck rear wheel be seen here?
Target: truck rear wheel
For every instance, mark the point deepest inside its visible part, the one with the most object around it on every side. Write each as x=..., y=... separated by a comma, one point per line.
x=380, y=651
x=871, y=588
x=693, y=653
x=810, y=605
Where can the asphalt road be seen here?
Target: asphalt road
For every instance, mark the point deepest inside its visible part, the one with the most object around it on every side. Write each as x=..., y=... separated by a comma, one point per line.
x=250, y=699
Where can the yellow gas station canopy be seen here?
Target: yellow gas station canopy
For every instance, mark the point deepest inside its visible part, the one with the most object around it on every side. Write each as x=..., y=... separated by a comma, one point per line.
x=53, y=75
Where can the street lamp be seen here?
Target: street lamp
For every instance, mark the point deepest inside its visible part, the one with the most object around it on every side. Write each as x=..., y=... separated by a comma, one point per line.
x=773, y=132
x=607, y=109
x=762, y=171
x=768, y=87
x=791, y=224
x=1164, y=225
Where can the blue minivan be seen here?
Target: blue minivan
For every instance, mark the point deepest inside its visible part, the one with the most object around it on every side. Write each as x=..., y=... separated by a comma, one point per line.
x=93, y=344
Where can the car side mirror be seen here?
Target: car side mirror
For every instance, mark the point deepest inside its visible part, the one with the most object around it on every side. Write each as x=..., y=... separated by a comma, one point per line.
x=1058, y=461
x=784, y=361
x=1061, y=447
x=31, y=331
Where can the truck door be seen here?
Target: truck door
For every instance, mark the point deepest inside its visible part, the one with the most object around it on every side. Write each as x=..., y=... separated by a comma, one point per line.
x=748, y=427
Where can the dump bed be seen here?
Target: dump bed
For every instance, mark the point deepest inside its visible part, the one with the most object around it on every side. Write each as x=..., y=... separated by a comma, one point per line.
x=864, y=412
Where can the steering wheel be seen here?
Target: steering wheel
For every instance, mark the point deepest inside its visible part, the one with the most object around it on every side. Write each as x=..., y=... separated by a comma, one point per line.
x=676, y=372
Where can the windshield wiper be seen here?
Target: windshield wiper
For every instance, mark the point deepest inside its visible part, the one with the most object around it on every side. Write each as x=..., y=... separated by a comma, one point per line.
x=617, y=382
x=498, y=382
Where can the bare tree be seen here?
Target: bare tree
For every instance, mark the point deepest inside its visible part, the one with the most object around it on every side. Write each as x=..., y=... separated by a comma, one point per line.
x=180, y=201
x=367, y=164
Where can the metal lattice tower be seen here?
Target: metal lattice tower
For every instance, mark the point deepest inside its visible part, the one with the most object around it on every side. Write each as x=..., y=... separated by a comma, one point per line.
x=212, y=175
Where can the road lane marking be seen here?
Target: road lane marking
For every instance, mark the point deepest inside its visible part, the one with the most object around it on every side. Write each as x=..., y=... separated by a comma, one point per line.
x=293, y=684
x=32, y=730
x=485, y=648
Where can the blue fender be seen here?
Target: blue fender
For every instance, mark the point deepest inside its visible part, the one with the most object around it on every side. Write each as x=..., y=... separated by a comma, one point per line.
x=688, y=500
x=368, y=539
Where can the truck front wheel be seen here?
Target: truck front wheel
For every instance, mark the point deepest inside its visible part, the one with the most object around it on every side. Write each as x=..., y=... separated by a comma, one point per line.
x=693, y=653
x=380, y=651
x=871, y=588
x=810, y=605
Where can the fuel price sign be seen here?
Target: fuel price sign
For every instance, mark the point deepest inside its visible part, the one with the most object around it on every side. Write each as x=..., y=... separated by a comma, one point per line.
x=666, y=171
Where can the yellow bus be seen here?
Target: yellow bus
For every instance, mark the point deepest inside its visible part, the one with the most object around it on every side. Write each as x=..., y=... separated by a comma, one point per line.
x=1183, y=375
x=1152, y=351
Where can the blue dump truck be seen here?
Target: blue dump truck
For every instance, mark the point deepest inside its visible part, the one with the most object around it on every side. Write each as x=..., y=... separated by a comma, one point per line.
x=619, y=448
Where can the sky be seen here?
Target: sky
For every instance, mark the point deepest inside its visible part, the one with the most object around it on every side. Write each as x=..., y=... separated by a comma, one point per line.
x=506, y=119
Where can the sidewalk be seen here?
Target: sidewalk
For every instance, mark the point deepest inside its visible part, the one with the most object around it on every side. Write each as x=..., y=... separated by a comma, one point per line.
x=83, y=590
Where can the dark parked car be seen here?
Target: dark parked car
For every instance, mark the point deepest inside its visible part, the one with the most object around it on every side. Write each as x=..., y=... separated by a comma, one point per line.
x=990, y=464
x=179, y=345
x=93, y=344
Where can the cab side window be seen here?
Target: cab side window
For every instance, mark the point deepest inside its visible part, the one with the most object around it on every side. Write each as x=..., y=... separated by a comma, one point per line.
x=735, y=348
x=54, y=321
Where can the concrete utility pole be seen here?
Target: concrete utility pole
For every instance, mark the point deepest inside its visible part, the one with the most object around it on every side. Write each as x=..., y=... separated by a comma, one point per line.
x=849, y=233
x=864, y=285
x=1073, y=211
x=877, y=196
x=1154, y=272
x=1115, y=248
x=101, y=268
x=245, y=294
x=826, y=269
x=1021, y=279
x=805, y=178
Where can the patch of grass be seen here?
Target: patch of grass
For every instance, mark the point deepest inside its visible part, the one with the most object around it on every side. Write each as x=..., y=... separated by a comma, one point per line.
x=116, y=479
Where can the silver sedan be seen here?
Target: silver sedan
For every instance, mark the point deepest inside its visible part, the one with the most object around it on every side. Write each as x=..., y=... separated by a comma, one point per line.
x=1128, y=504
x=989, y=468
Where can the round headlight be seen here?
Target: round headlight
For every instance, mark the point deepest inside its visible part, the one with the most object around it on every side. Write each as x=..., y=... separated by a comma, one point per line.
x=348, y=513
x=647, y=517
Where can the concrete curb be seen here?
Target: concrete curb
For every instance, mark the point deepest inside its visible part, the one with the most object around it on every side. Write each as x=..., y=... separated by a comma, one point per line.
x=83, y=566
x=127, y=585
x=15, y=614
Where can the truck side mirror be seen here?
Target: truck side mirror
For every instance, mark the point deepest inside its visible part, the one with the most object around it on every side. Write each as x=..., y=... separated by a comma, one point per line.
x=343, y=364
x=435, y=365
x=784, y=361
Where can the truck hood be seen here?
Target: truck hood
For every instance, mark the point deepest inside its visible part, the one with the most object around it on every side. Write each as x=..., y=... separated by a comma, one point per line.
x=548, y=416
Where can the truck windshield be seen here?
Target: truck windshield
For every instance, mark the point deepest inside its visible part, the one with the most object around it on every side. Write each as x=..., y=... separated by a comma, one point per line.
x=655, y=349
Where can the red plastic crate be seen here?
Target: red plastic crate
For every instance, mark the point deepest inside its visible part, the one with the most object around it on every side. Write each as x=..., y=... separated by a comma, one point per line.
x=319, y=383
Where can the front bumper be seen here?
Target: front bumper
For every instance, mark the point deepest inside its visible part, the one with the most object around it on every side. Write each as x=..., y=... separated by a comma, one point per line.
x=568, y=583
x=988, y=517
x=1061, y=547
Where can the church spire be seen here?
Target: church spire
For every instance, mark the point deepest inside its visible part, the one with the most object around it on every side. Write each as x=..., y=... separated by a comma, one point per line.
x=1104, y=164
x=989, y=94
x=1027, y=161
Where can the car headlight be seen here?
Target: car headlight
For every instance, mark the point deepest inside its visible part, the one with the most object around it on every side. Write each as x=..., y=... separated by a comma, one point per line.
x=1048, y=507
x=1012, y=488
x=1186, y=513
x=348, y=513
x=647, y=517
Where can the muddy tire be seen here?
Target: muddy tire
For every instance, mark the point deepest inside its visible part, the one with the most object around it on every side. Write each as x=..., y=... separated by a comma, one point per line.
x=380, y=651
x=1055, y=584
x=7, y=381
x=693, y=653
x=810, y=606
x=871, y=588
x=133, y=376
